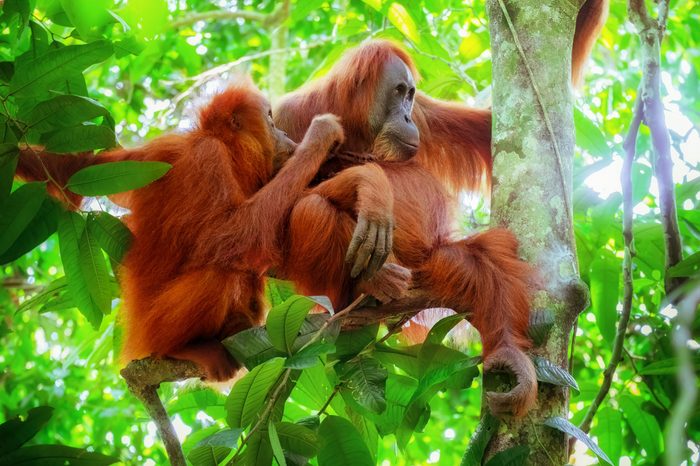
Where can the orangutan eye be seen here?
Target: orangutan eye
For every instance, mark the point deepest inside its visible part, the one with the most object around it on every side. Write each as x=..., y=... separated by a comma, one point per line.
x=401, y=89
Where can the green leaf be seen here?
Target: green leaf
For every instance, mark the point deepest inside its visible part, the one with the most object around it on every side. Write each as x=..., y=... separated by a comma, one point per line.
x=115, y=177
x=298, y=439
x=549, y=372
x=128, y=46
x=17, y=212
x=94, y=269
x=645, y=426
x=284, y=321
x=563, y=425
x=442, y=328
x=251, y=347
x=36, y=76
x=275, y=444
x=589, y=137
x=248, y=395
x=258, y=451
x=208, y=455
x=278, y=291
x=405, y=358
x=404, y=22
x=55, y=455
x=608, y=429
x=62, y=111
x=366, y=380
x=341, y=444
x=112, y=235
x=351, y=342
x=399, y=390
x=53, y=290
x=308, y=356
x=666, y=367
x=687, y=267
x=605, y=287
x=79, y=138
x=42, y=226
x=70, y=231
x=8, y=162
x=477, y=445
x=514, y=456
x=16, y=432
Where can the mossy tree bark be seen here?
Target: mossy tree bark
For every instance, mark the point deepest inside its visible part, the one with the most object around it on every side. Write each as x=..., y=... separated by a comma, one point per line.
x=533, y=147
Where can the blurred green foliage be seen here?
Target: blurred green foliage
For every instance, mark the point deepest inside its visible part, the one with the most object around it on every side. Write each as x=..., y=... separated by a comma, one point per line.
x=84, y=74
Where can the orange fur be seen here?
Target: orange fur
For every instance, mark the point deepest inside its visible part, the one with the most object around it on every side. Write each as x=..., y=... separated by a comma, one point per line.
x=481, y=275
x=206, y=232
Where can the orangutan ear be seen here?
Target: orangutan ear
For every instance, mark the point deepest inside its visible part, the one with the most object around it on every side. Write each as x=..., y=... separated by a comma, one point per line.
x=236, y=121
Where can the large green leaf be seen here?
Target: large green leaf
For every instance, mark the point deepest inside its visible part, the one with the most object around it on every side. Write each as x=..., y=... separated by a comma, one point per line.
x=36, y=76
x=62, y=111
x=645, y=426
x=608, y=429
x=275, y=445
x=111, y=234
x=297, y=439
x=251, y=347
x=605, y=288
x=248, y=395
x=284, y=321
x=278, y=291
x=55, y=455
x=8, y=162
x=42, y=226
x=16, y=432
x=70, y=230
x=17, y=212
x=365, y=378
x=668, y=366
x=79, y=138
x=477, y=445
x=589, y=137
x=342, y=444
x=687, y=267
x=513, y=456
x=94, y=268
x=115, y=177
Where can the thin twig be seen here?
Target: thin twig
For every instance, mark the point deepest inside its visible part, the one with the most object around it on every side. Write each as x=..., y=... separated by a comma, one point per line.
x=649, y=386
x=263, y=416
x=275, y=18
x=325, y=406
x=626, y=178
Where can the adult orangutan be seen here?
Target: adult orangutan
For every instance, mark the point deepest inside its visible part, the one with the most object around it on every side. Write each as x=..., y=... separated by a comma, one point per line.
x=373, y=90
x=206, y=232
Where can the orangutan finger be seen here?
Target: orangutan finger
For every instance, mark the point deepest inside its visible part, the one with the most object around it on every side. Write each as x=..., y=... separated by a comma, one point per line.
x=365, y=250
x=358, y=237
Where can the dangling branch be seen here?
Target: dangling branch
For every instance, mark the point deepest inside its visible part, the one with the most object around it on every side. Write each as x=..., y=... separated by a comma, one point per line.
x=627, y=217
x=651, y=33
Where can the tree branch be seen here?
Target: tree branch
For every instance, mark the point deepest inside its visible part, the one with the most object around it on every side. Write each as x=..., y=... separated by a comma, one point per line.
x=143, y=378
x=651, y=33
x=630, y=146
x=275, y=18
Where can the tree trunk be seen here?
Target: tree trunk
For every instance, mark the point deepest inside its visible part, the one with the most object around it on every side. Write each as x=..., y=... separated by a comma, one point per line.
x=533, y=147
